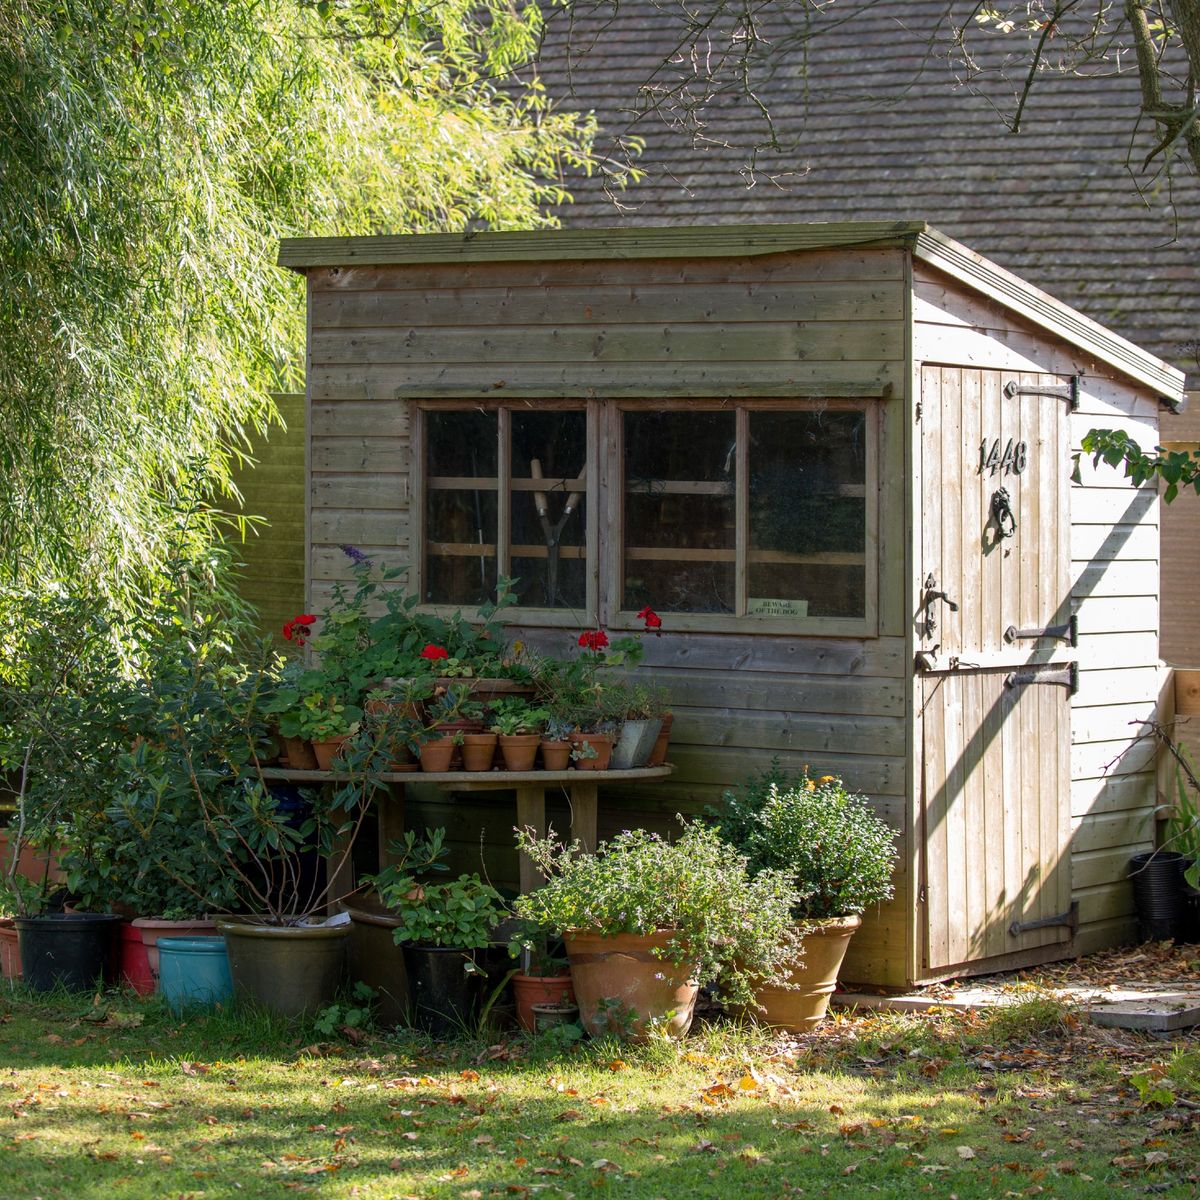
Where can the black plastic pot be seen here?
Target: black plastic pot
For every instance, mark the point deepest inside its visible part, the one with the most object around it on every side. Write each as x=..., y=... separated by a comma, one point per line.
x=446, y=996
x=71, y=950
x=1158, y=893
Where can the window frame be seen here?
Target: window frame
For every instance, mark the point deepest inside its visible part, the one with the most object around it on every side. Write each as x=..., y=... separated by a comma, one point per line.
x=502, y=549
x=621, y=619
x=605, y=492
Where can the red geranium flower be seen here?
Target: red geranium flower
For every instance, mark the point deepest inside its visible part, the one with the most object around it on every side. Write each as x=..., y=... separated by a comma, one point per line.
x=296, y=630
x=652, y=619
x=593, y=639
x=433, y=653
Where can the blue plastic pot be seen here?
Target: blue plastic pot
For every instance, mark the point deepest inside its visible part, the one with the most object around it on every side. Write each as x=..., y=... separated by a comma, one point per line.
x=193, y=972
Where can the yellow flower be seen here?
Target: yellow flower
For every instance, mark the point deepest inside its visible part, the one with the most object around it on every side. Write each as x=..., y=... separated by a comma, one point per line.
x=827, y=779
x=811, y=785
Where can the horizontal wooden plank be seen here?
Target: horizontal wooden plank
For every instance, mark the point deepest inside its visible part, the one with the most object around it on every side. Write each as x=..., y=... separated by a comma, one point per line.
x=711, y=342
x=361, y=418
x=878, y=658
x=628, y=244
x=1114, y=650
x=1095, y=760
x=359, y=527
x=1114, y=506
x=1143, y=430
x=329, y=565
x=365, y=455
x=1095, y=868
x=802, y=733
x=1111, y=722
x=619, y=380
x=1113, y=578
x=808, y=693
x=721, y=768
x=1120, y=614
x=377, y=491
x=1104, y=903
x=596, y=304
x=1095, y=936
x=1117, y=686
x=1106, y=542
x=1117, y=793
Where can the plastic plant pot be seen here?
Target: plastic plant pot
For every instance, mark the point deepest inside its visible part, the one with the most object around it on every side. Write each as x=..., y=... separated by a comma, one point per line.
x=194, y=972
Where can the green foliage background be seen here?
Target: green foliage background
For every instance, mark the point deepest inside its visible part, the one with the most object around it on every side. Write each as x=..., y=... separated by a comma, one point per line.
x=152, y=153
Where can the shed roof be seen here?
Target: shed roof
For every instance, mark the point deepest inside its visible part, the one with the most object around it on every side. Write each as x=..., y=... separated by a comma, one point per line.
x=713, y=241
x=875, y=120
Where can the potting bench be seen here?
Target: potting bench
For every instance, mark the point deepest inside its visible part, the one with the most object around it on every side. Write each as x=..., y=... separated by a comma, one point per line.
x=582, y=788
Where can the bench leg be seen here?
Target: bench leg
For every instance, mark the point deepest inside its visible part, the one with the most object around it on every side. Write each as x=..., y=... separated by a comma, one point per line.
x=584, y=809
x=531, y=814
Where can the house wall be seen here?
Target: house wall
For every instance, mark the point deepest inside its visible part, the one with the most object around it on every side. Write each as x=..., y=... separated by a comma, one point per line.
x=816, y=321
x=1114, y=540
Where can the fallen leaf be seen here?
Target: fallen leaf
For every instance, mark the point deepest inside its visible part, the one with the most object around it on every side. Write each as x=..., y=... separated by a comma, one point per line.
x=964, y=1152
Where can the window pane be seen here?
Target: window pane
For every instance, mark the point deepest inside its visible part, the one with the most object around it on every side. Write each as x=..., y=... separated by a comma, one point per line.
x=460, y=520
x=807, y=513
x=679, y=511
x=549, y=557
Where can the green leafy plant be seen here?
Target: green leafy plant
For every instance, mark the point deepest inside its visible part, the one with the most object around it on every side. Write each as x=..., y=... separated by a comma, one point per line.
x=348, y=1016
x=1183, y=825
x=729, y=925
x=513, y=715
x=837, y=853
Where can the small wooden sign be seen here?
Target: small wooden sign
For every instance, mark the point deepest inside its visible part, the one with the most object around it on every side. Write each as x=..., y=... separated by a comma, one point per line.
x=776, y=608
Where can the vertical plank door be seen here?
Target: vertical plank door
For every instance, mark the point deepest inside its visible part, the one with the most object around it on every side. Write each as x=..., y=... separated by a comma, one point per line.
x=995, y=667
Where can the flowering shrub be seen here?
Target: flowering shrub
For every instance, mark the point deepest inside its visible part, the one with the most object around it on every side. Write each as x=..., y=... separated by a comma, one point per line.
x=838, y=854
x=729, y=925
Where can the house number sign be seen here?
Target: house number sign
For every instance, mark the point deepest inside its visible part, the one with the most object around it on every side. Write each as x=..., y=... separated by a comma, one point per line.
x=1011, y=462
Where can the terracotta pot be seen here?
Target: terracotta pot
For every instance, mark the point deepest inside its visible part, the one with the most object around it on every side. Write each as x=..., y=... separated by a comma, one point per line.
x=10, y=951
x=151, y=929
x=299, y=754
x=529, y=990
x=463, y=727
x=622, y=987
x=800, y=1008
x=437, y=755
x=478, y=750
x=134, y=960
x=602, y=743
x=328, y=749
x=658, y=755
x=556, y=756
x=519, y=750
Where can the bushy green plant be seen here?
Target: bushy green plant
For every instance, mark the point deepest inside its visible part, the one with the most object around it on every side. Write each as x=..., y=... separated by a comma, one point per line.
x=512, y=715
x=1183, y=825
x=838, y=854
x=731, y=927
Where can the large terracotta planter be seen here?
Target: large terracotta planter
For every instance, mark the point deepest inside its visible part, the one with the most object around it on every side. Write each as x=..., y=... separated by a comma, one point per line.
x=294, y=970
x=622, y=987
x=815, y=976
x=529, y=990
x=152, y=928
x=519, y=750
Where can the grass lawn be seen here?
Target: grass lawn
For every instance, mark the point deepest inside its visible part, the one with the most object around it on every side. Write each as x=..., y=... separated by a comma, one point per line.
x=119, y=1099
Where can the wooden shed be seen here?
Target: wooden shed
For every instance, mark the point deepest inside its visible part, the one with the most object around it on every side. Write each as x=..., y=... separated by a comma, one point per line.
x=837, y=460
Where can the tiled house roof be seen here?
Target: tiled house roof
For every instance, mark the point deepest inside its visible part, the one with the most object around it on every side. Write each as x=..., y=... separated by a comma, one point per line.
x=877, y=125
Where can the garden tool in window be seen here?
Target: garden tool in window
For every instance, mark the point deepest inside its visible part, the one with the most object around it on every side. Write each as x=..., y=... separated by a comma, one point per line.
x=553, y=531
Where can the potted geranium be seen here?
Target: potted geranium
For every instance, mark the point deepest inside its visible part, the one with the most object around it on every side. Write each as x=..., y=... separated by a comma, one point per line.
x=837, y=854
x=646, y=922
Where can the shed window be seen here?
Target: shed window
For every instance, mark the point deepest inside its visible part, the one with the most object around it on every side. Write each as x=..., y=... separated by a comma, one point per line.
x=504, y=497
x=758, y=511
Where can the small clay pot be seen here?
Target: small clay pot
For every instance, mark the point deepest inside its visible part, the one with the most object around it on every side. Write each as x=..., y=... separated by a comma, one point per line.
x=299, y=754
x=478, y=750
x=658, y=755
x=519, y=750
x=601, y=743
x=556, y=756
x=436, y=755
x=328, y=749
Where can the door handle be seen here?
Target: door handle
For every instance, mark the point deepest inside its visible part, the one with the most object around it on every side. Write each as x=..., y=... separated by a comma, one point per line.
x=930, y=596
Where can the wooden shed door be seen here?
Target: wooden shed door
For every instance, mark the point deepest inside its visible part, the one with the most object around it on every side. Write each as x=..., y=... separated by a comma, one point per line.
x=995, y=669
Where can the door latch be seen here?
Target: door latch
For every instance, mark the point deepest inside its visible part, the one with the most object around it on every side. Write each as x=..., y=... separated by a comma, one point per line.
x=930, y=596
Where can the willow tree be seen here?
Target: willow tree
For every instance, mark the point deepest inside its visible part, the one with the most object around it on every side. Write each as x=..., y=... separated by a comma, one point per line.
x=152, y=152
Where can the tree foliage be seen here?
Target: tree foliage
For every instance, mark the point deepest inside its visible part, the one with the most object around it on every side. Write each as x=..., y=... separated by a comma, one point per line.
x=1176, y=468
x=152, y=152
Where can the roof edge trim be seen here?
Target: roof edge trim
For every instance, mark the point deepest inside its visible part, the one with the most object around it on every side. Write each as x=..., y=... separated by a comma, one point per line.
x=707, y=241
x=1015, y=294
